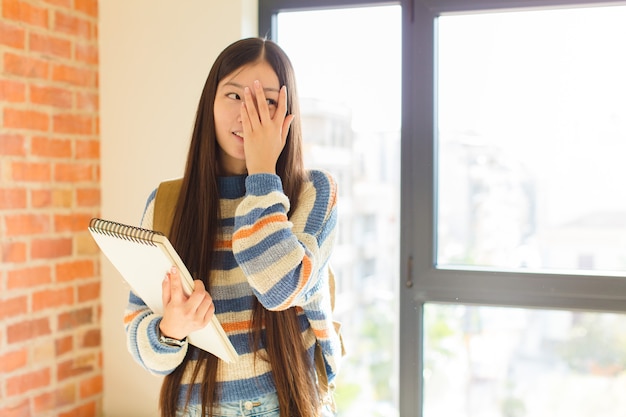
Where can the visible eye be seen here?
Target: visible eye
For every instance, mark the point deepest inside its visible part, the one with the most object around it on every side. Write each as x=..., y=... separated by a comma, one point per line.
x=234, y=96
x=271, y=102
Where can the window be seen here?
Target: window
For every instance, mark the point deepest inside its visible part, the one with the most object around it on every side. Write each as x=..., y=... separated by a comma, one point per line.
x=532, y=126
x=511, y=261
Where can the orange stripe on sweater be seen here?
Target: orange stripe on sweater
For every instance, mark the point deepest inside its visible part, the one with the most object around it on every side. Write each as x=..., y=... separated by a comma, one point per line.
x=304, y=277
x=224, y=244
x=275, y=218
x=130, y=317
x=237, y=326
x=321, y=334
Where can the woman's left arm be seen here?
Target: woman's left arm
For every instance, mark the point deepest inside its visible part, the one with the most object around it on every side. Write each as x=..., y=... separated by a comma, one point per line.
x=282, y=257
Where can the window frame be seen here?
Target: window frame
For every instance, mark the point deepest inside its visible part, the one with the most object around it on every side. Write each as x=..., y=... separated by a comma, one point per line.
x=422, y=281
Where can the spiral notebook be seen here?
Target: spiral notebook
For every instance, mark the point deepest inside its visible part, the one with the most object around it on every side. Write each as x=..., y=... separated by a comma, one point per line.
x=143, y=257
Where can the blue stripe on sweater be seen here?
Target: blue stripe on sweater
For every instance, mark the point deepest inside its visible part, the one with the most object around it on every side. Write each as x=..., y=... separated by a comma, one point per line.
x=276, y=242
x=262, y=184
x=318, y=212
x=256, y=214
x=234, y=305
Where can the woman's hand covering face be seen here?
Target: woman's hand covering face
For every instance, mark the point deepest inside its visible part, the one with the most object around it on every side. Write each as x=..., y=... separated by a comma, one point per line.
x=265, y=127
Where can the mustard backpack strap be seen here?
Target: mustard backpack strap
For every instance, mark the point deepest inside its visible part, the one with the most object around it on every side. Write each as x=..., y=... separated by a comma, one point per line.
x=327, y=389
x=165, y=205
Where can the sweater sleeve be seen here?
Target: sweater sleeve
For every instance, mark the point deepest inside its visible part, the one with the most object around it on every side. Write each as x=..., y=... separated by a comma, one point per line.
x=141, y=325
x=284, y=258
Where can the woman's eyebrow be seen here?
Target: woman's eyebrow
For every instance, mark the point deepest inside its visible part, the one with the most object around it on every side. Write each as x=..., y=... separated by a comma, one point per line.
x=237, y=85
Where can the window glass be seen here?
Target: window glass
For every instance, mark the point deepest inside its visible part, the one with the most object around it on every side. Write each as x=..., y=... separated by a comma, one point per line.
x=348, y=67
x=514, y=362
x=531, y=140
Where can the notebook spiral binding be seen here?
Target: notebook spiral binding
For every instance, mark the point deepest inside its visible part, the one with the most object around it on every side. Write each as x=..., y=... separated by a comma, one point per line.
x=123, y=231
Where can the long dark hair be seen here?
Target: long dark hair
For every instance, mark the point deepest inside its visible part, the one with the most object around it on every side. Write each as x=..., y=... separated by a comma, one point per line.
x=194, y=231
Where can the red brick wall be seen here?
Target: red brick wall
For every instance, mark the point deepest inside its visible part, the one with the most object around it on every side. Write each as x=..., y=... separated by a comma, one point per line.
x=50, y=308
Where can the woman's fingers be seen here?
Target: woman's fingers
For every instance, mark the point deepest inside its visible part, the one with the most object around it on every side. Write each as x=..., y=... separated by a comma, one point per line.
x=285, y=128
x=184, y=314
x=166, y=294
x=261, y=102
x=199, y=298
x=251, y=108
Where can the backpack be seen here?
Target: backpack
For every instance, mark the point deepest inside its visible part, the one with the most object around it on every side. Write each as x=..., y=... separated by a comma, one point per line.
x=164, y=207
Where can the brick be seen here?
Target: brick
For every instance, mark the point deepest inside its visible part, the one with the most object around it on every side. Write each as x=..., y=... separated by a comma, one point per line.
x=31, y=171
x=51, y=248
x=85, y=245
x=91, y=386
x=91, y=338
x=25, y=12
x=63, y=345
x=44, y=352
x=88, y=197
x=10, y=361
x=81, y=77
x=71, y=223
x=12, y=145
x=40, y=198
x=89, y=292
x=75, y=318
x=25, y=66
x=87, y=101
x=12, y=198
x=12, y=35
x=89, y=7
x=73, y=123
x=76, y=366
x=12, y=91
x=27, y=224
x=28, y=329
x=50, y=45
x=30, y=277
x=72, y=25
x=52, y=298
x=85, y=410
x=88, y=149
x=51, y=148
x=73, y=172
x=66, y=395
x=51, y=96
x=70, y=271
x=59, y=398
x=87, y=53
x=13, y=307
x=21, y=409
x=13, y=252
x=30, y=381
x=26, y=119
x=43, y=402
x=62, y=198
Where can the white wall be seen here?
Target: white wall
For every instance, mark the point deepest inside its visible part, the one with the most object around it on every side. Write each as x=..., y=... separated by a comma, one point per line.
x=154, y=59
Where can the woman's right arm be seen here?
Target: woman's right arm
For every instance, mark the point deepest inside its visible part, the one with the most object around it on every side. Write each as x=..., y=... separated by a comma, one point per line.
x=142, y=325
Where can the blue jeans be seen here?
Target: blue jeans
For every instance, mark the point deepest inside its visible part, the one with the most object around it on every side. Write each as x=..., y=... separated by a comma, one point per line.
x=265, y=406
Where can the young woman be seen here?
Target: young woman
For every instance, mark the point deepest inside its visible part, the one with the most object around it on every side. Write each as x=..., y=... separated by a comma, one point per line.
x=256, y=231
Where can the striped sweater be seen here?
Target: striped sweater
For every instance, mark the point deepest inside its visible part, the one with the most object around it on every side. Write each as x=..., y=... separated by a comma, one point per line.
x=282, y=262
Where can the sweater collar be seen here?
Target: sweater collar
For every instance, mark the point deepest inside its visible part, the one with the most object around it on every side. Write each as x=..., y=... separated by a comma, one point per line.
x=232, y=187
